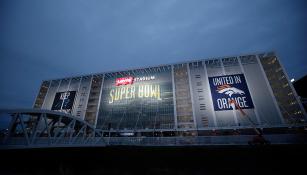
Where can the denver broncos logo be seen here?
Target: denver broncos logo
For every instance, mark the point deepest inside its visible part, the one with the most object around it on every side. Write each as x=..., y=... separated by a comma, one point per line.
x=228, y=90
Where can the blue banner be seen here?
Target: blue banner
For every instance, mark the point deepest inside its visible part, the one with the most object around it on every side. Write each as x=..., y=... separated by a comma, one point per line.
x=230, y=88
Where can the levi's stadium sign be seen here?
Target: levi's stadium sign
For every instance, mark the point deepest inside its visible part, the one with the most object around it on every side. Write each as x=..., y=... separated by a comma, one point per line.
x=124, y=81
x=131, y=80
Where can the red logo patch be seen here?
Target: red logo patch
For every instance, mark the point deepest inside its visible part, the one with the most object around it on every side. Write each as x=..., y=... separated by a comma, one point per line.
x=124, y=81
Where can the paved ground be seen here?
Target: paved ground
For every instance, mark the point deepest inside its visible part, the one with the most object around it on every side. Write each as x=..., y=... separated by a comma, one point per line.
x=282, y=159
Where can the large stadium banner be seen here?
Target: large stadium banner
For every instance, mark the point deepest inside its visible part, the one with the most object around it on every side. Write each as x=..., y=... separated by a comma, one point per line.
x=63, y=100
x=134, y=88
x=140, y=99
x=228, y=89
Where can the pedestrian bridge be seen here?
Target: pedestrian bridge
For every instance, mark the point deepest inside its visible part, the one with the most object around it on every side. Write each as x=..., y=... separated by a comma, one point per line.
x=43, y=128
x=35, y=128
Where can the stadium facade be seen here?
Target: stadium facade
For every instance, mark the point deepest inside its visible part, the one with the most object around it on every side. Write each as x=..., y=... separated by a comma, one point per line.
x=191, y=98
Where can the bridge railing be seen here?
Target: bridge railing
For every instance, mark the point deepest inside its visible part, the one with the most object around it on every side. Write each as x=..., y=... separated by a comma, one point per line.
x=205, y=140
x=42, y=128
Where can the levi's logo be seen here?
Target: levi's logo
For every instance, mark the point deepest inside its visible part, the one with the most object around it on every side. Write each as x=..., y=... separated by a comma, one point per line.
x=124, y=81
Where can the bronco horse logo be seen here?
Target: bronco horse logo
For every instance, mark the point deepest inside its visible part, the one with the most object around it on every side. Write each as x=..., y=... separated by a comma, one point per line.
x=228, y=90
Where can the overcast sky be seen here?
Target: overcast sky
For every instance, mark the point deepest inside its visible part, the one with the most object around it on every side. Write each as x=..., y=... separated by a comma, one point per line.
x=42, y=39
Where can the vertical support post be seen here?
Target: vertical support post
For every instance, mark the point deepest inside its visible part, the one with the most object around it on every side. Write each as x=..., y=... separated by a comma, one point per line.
x=192, y=96
x=47, y=127
x=11, y=127
x=72, y=131
x=255, y=105
x=210, y=96
x=88, y=97
x=34, y=129
x=99, y=99
x=174, y=97
x=24, y=129
x=74, y=109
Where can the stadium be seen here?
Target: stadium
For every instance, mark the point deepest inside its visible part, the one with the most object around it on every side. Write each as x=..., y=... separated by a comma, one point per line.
x=240, y=113
x=238, y=100
x=207, y=97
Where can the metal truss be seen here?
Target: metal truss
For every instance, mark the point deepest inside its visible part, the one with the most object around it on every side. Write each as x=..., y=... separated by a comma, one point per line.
x=35, y=128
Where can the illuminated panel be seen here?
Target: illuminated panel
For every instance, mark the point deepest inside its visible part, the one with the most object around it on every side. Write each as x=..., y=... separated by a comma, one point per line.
x=137, y=91
x=123, y=81
x=142, y=100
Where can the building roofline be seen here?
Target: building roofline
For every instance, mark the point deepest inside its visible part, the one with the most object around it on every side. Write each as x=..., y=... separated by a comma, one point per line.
x=181, y=62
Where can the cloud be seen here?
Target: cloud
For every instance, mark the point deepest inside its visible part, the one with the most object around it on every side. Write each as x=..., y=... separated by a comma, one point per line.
x=53, y=39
